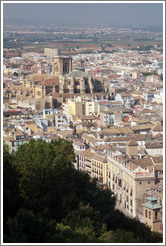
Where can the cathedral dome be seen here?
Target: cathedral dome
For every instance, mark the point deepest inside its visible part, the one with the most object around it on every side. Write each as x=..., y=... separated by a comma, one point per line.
x=77, y=72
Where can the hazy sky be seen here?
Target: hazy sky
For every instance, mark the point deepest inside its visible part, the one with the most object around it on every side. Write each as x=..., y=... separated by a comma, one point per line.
x=112, y=14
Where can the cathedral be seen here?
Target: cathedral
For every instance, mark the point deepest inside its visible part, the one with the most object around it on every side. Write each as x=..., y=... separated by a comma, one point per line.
x=73, y=81
x=63, y=81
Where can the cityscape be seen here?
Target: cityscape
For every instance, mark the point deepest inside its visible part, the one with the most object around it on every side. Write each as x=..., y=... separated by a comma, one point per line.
x=83, y=123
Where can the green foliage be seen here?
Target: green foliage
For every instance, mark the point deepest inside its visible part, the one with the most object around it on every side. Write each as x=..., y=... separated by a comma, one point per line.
x=85, y=220
x=109, y=126
x=44, y=171
x=117, y=220
x=15, y=74
x=144, y=48
x=25, y=227
x=119, y=236
x=46, y=200
x=147, y=74
x=82, y=225
x=11, y=197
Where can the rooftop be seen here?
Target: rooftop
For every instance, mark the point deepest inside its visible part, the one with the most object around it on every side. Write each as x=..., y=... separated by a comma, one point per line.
x=151, y=203
x=77, y=73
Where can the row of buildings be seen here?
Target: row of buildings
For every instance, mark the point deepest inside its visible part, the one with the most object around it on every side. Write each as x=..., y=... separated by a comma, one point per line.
x=113, y=118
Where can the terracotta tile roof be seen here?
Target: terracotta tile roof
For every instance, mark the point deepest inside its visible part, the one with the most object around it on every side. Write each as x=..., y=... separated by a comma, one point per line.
x=154, y=145
x=158, y=136
x=51, y=136
x=78, y=143
x=158, y=167
x=51, y=129
x=142, y=127
x=9, y=138
x=125, y=130
x=51, y=81
x=87, y=153
x=86, y=124
x=38, y=77
x=18, y=133
x=29, y=122
x=99, y=158
x=157, y=159
x=123, y=94
x=87, y=136
x=116, y=131
x=143, y=162
x=158, y=128
x=66, y=133
x=103, y=147
x=132, y=143
x=111, y=131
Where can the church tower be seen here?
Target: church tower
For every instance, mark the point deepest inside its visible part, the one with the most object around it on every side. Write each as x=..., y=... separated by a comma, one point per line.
x=61, y=65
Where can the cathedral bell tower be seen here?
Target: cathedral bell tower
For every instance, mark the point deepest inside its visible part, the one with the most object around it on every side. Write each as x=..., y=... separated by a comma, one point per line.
x=61, y=65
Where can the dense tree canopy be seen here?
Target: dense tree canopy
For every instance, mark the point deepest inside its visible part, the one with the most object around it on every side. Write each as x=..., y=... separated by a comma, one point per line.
x=46, y=200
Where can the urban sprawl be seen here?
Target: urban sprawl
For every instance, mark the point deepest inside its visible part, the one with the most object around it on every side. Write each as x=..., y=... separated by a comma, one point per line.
x=106, y=100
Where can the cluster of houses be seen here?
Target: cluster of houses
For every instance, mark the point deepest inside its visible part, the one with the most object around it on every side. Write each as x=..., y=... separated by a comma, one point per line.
x=117, y=133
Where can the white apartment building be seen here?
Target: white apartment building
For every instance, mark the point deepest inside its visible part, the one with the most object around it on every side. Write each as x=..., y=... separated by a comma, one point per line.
x=129, y=183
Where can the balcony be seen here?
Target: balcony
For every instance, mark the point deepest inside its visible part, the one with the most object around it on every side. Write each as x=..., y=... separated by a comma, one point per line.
x=88, y=165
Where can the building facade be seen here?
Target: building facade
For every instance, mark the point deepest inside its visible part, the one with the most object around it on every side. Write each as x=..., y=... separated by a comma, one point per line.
x=128, y=182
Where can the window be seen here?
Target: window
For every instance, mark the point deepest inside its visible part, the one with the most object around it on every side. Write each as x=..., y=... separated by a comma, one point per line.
x=131, y=203
x=149, y=214
x=120, y=182
x=156, y=213
x=146, y=213
x=139, y=182
x=131, y=192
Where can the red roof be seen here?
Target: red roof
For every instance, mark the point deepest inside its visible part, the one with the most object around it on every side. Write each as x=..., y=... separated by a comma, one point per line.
x=114, y=75
x=105, y=102
x=13, y=110
x=126, y=118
